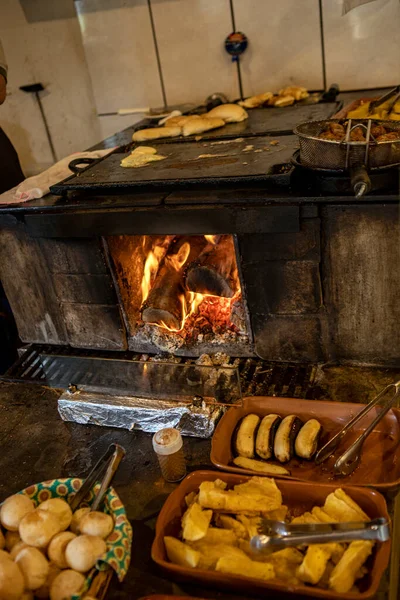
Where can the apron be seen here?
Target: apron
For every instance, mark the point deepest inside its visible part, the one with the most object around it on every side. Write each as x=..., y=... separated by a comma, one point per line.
x=10, y=170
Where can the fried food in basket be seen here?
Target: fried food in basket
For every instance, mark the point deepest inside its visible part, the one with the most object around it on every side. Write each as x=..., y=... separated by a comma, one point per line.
x=337, y=132
x=236, y=516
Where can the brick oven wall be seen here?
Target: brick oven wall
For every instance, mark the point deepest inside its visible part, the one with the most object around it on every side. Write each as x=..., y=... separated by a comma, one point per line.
x=60, y=291
x=281, y=274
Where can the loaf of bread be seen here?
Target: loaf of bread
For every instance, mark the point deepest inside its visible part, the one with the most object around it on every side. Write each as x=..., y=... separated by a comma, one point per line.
x=143, y=135
x=255, y=101
x=197, y=126
x=230, y=113
x=181, y=120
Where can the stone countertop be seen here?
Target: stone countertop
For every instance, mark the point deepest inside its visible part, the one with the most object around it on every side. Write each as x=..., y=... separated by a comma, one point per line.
x=37, y=445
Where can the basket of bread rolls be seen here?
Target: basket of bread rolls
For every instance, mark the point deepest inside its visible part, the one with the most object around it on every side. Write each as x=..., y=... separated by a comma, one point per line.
x=49, y=551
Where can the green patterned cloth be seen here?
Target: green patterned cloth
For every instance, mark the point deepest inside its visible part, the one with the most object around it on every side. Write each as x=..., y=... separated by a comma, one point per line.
x=119, y=542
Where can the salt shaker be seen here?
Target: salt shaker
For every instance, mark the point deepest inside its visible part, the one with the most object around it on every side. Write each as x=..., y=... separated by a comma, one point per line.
x=168, y=445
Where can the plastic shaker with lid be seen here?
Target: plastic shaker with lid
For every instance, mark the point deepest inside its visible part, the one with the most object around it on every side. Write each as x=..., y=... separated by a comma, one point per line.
x=168, y=445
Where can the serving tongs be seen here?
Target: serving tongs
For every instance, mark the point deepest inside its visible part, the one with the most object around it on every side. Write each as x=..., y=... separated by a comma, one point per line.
x=392, y=95
x=277, y=535
x=103, y=471
x=349, y=460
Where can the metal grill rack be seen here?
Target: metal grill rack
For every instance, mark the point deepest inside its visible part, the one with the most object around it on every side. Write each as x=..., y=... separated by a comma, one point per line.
x=258, y=377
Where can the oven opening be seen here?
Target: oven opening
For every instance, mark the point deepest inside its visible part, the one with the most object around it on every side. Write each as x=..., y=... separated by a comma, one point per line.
x=180, y=294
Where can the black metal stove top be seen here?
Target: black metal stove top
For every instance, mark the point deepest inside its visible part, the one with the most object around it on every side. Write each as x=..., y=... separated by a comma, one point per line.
x=208, y=164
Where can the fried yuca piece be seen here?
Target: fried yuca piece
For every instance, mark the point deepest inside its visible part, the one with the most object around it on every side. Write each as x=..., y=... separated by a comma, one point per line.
x=195, y=523
x=257, y=494
x=190, y=499
x=343, y=508
x=252, y=524
x=279, y=514
x=211, y=553
x=245, y=567
x=314, y=564
x=345, y=573
x=215, y=535
x=230, y=523
x=180, y=553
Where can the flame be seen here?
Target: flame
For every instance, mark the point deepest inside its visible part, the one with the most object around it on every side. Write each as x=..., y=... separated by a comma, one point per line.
x=178, y=260
x=213, y=239
x=192, y=303
x=151, y=265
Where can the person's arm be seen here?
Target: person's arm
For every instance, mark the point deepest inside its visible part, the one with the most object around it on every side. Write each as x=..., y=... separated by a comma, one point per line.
x=3, y=75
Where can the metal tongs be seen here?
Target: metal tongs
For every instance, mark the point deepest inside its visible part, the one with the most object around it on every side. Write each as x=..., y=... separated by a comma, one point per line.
x=278, y=535
x=106, y=468
x=349, y=460
x=392, y=95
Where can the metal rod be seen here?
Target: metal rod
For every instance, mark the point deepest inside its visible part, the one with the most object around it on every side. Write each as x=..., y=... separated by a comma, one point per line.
x=46, y=126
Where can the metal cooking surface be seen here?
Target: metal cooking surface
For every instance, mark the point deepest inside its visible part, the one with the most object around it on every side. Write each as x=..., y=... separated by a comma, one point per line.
x=233, y=161
x=261, y=121
x=257, y=377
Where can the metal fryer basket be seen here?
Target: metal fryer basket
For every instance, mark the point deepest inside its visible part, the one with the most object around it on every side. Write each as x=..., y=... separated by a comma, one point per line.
x=340, y=155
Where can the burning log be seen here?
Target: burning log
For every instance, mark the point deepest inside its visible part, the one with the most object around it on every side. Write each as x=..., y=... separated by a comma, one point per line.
x=213, y=273
x=166, y=304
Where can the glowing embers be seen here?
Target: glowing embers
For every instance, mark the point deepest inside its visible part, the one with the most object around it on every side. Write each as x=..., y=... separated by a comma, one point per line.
x=191, y=286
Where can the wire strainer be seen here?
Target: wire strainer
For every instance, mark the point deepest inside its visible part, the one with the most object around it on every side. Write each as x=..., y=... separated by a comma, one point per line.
x=332, y=154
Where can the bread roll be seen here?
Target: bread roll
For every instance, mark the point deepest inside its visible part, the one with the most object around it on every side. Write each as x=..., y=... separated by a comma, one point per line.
x=44, y=590
x=11, y=581
x=255, y=101
x=230, y=113
x=12, y=538
x=14, y=509
x=2, y=540
x=181, y=120
x=76, y=519
x=284, y=101
x=16, y=549
x=60, y=509
x=155, y=133
x=82, y=552
x=66, y=584
x=201, y=125
x=27, y=595
x=37, y=528
x=57, y=546
x=4, y=555
x=97, y=523
x=34, y=567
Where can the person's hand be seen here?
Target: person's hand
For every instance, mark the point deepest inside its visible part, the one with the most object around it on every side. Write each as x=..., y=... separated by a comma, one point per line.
x=3, y=86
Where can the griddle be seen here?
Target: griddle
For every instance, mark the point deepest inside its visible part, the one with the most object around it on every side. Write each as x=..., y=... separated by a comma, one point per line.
x=261, y=121
x=241, y=161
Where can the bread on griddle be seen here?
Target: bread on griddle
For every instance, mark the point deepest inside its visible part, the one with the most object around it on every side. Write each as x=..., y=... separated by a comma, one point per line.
x=230, y=113
x=181, y=120
x=196, y=126
x=143, y=135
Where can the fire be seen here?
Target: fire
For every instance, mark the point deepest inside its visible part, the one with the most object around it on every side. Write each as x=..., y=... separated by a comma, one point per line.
x=213, y=239
x=196, y=308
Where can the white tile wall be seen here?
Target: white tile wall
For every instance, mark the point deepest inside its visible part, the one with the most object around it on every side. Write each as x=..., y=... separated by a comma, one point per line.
x=284, y=44
x=190, y=36
x=363, y=46
x=120, y=52
x=50, y=52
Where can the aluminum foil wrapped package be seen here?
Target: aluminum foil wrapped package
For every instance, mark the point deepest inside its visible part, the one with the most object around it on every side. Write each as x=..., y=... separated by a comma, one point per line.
x=197, y=419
